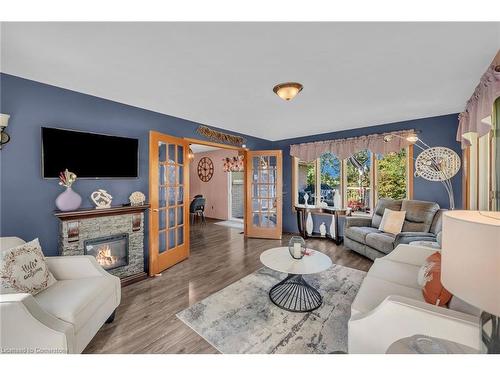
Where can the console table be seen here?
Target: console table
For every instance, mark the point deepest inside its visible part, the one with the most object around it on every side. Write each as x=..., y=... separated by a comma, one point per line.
x=335, y=213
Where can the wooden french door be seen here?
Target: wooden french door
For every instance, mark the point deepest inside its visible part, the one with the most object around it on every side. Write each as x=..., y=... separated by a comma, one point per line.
x=264, y=194
x=168, y=194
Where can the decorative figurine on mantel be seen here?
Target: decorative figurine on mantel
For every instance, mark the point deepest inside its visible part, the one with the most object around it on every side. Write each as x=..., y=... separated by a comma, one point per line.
x=137, y=198
x=68, y=200
x=101, y=199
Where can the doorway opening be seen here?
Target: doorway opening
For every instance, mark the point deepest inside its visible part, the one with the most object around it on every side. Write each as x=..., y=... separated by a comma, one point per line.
x=217, y=188
x=236, y=196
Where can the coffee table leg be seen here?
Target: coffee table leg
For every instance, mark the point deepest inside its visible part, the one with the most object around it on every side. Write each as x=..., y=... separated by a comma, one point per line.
x=295, y=294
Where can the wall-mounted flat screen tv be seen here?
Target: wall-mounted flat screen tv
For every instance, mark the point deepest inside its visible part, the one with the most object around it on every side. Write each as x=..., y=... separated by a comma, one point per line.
x=88, y=155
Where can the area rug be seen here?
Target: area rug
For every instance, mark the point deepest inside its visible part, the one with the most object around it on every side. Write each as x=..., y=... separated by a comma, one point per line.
x=231, y=224
x=241, y=319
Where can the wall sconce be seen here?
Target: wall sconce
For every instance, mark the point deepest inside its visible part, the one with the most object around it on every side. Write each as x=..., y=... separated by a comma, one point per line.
x=4, y=137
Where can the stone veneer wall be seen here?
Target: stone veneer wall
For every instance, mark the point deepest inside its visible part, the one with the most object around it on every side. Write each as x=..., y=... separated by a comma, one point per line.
x=96, y=227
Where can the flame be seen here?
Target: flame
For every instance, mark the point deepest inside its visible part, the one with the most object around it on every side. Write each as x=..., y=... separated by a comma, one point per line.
x=104, y=256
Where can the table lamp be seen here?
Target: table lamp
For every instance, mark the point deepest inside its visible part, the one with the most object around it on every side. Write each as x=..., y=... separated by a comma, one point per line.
x=470, y=266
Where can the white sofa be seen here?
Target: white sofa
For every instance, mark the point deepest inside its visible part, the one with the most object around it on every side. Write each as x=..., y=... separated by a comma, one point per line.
x=390, y=306
x=64, y=317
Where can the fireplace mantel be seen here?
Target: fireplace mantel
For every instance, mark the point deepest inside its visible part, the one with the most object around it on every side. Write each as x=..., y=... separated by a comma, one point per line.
x=86, y=213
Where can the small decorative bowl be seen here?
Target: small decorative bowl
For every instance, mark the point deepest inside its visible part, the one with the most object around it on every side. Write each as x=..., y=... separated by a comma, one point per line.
x=297, y=247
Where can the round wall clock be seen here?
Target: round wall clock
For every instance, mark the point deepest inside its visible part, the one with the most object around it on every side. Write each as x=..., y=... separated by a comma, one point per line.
x=205, y=169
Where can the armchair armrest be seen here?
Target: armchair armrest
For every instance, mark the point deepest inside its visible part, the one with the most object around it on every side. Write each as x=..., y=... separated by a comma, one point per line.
x=358, y=221
x=407, y=237
x=27, y=328
x=398, y=317
x=75, y=267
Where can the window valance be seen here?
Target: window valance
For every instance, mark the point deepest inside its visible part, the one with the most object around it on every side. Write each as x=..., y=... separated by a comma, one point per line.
x=476, y=119
x=343, y=148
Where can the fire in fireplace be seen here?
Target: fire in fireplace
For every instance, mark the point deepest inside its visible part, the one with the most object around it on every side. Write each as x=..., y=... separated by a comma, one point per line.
x=110, y=252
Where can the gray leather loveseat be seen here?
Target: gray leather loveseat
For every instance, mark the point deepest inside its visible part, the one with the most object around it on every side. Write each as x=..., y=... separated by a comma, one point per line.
x=422, y=223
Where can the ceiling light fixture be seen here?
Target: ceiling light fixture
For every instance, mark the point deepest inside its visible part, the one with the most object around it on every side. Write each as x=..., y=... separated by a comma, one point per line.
x=288, y=90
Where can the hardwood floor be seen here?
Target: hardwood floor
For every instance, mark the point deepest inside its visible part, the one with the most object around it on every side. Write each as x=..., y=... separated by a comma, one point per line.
x=145, y=320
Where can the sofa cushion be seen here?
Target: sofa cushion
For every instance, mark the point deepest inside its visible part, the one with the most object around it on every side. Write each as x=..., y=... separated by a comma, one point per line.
x=419, y=215
x=395, y=272
x=374, y=290
x=392, y=221
x=75, y=301
x=380, y=241
x=359, y=233
x=382, y=204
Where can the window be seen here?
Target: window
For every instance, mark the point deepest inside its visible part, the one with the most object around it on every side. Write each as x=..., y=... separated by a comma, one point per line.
x=392, y=176
x=330, y=179
x=357, y=182
x=306, y=182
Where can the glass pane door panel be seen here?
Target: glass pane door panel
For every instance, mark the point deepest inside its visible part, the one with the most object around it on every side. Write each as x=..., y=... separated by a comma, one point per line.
x=162, y=198
x=171, y=217
x=171, y=239
x=180, y=215
x=180, y=155
x=180, y=235
x=161, y=175
x=171, y=153
x=180, y=195
x=163, y=242
x=163, y=220
x=171, y=175
x=162, y=148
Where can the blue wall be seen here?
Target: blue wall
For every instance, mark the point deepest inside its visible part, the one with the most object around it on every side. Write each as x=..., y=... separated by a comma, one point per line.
x=435, y=131
x=27, y=200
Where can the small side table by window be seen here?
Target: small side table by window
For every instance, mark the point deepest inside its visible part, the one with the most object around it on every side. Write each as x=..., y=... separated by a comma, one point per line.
x=334, y=213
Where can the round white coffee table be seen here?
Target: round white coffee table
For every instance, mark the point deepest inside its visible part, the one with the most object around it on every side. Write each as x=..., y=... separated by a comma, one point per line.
x=294, y=293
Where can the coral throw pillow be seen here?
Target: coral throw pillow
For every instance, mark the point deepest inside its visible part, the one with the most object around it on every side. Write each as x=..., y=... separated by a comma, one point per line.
x=23, y=269
x=430, y=279
x=392, y=221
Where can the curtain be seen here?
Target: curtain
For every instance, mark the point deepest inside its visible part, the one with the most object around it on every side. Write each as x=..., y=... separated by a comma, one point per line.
x=344, y=148
x=477, y=119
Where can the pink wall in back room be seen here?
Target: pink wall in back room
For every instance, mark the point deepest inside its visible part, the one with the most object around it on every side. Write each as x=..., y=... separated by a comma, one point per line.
x=215, y=191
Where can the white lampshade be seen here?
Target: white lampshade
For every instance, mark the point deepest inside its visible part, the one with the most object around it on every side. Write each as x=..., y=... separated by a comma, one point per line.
x=4, y=120
x=470, y=257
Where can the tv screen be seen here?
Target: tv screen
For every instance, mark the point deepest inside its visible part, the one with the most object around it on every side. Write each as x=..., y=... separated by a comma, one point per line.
x=88, y=155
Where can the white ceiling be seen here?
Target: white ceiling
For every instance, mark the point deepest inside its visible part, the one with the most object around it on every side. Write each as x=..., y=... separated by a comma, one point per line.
x=222, y=74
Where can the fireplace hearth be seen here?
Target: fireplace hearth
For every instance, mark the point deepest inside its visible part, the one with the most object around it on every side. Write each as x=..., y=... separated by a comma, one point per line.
x=110, y=251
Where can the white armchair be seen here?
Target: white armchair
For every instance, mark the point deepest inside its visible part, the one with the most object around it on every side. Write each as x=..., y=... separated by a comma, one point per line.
x=64, y=317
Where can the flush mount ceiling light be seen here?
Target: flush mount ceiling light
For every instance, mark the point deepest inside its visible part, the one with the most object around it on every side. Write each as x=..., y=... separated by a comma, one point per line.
x=288, y=90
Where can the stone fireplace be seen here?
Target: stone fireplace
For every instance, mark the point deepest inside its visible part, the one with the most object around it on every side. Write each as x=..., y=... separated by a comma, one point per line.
x=114, y=236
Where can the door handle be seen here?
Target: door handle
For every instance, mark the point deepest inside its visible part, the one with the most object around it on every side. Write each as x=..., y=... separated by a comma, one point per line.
x=156, y=210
